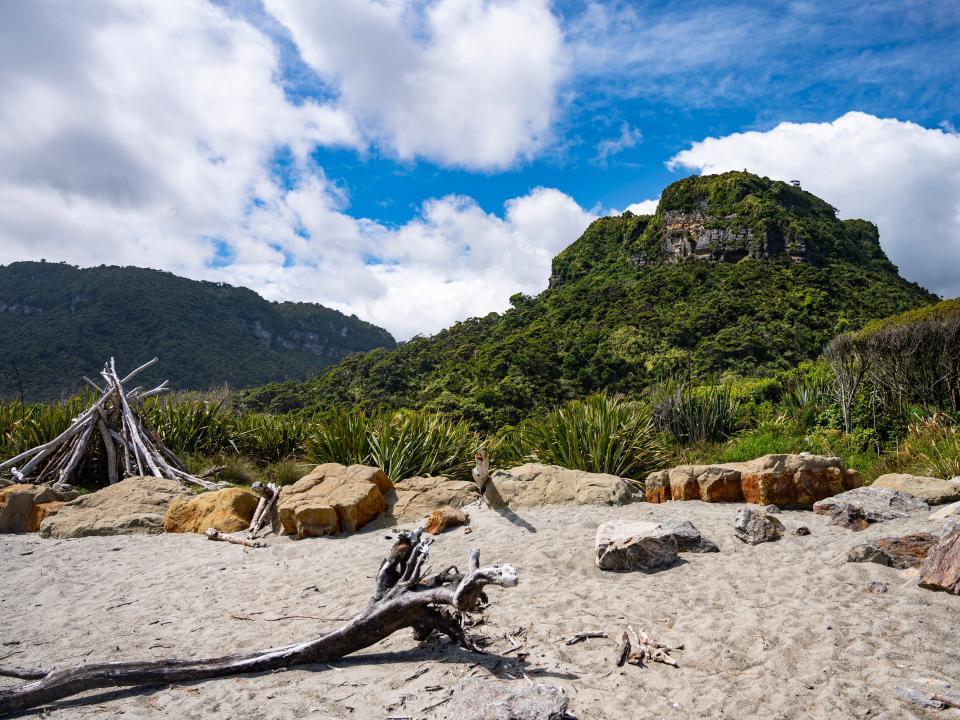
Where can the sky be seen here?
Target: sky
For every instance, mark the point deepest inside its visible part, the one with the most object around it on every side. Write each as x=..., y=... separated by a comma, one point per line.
x=417, y=162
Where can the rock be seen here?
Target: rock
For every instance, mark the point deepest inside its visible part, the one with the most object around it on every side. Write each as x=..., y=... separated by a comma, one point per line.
x=946, y=512
x=443, y=518
x=688, y=537
x=229, y=510
x=849, y=517
x=896, y=552
x=480, y=699
x=131, y=506
x=771, y=509
x=877, y=504
x=941, y=569
x=755, y=527
x=802, y=530
x=24, y=506
x=876, y=587
x=782, y=480
x=333, y=498
x=416, y=497
x=657, y=486
x=533, y=484
x=634, y=546
x=932, y=490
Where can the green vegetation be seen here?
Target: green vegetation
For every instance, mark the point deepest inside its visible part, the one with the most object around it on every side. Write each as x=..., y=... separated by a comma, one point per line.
x=59, y=322
x=618, y=319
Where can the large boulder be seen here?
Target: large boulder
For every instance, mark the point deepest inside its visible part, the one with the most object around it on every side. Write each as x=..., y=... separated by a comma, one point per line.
x=634, y=546
x=876, y=504
x=131, y=506
x=782, y=480
x=24, y=506
x=929, y=489
x=228, y=510
x=333, y=498
x=417, y=497
x=533, y=484
x=897, y=552
x=687, y=536
x=482, y=699
x=941, y=569
x=755, y=526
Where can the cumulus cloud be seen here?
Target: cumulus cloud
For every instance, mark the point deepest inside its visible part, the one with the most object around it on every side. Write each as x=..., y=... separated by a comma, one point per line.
x=644, y=207
x=901, y=176
x=462, y=83
x=628, y=138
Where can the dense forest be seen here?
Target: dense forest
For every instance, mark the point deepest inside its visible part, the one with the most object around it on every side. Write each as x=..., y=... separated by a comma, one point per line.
x=59, y=322
x=734, y=275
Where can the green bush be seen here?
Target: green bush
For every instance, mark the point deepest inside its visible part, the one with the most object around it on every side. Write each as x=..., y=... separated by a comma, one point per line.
x=191, y=427
x=697, y=414
x=601, y=434
x=269, y=438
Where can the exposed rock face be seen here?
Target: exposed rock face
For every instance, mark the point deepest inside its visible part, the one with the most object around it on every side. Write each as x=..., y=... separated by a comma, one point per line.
x=228, y=510
x=132, y=506
x=896, y=552
x=443, y=518
x=533, y=484
x=876, y=504
x=480, y=699
x=755, y=527
x=782, y=480
x=929, y=489
x=634, y=546
x=333, y=498
x=941, y=569
x=24, y=506
x=417, y=497
x=685, y=234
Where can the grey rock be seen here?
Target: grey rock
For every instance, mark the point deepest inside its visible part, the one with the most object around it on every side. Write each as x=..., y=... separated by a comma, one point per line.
x=896, y=552
x=802, y=530
x=877, y=504
x=771, y=509
x=876, y=587
x=634, y=546
x=850, y=517
x=480, y=699
x=755, y=527
x=688, y=537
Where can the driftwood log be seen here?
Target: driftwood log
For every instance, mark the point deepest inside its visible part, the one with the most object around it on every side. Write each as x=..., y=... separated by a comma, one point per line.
x=636, y=648
x=214, y=534
x=107, y=433
x=405, y=596
x=266, y=508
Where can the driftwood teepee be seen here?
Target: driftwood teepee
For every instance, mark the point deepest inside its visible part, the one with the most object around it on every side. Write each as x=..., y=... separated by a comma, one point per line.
x=107, y=435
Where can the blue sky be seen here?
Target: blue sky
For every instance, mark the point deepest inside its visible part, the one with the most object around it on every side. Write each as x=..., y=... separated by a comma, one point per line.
x=417, y=162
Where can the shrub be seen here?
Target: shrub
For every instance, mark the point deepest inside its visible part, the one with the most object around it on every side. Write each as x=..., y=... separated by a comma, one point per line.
x=269, y=438
x=191, y=427
x=697, y=414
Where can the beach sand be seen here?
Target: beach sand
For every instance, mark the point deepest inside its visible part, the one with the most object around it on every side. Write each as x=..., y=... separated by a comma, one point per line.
x=780, y=630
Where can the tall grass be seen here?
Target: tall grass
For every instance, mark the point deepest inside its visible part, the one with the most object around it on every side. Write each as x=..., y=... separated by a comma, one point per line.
x=25, y=426
x=697, y=414
x=603, y=434
x=203, y=427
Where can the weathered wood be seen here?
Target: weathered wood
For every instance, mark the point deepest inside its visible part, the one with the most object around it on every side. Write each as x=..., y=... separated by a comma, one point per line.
x=215, y=534
x=269, y=493
x=436, y=605
x=481, y=473
x=581, y=636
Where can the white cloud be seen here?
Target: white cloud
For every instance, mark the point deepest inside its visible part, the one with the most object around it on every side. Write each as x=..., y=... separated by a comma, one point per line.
x=459, y=82
x=644, y=207
x=901, y=176
x=628, y=138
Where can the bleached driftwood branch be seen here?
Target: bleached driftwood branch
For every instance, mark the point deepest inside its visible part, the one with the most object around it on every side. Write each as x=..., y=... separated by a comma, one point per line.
x=269, y=493
x=215, y=534
x=108, y=426
x=405, y=597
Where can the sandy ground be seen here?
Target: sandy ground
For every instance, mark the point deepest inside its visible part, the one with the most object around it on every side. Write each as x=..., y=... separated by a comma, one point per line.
x=780, y=630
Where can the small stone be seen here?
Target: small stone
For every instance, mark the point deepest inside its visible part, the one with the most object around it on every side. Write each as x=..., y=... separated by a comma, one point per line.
x=755, y=527
x=771, y=509
x=876, y=587
x=467, y=530
x=850, y=517
x=802, y=530
x=443, y=518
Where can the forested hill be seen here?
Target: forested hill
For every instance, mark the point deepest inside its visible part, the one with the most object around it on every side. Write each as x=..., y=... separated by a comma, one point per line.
x=59, y=322
x=733, y=274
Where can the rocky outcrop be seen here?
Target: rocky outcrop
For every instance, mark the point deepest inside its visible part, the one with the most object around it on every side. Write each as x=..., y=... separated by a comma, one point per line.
x=876, y=504
x=626, y=546
x=443, y=518
x=897, y=552
x=532, y=485
x=941, y=569
x=783, y=480
x=333, y=498
x=228, y=510
x=695, y=233
x=931, y=490
x=755, y=527
x=135, y=505
x=417, y=497
x=24, y=506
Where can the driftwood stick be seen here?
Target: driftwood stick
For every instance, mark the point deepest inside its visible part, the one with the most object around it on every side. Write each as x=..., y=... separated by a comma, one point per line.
x=108, y=448
x=91, y=382
x=136, y=372
x=424, y=609
x=77, y=454
x=215, y=534
x=269, y=492
x=581, y=636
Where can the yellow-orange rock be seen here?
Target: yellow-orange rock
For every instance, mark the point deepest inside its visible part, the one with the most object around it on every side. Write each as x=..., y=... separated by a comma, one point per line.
x=657, y=486
x=443, y=518
x=333, y=498
x=228, y=510
x=41, y=511
x=23, y=506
